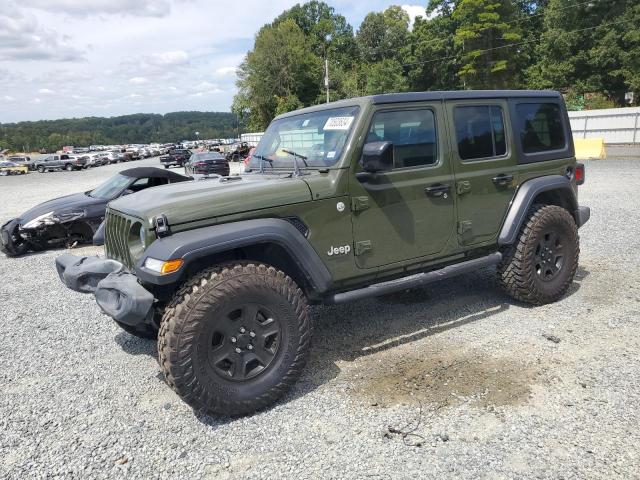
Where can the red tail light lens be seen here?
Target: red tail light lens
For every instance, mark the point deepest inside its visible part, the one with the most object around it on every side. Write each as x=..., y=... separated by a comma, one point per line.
x=579, y=174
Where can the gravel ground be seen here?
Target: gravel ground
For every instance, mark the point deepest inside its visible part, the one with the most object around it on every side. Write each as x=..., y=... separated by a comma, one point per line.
x=452, y=381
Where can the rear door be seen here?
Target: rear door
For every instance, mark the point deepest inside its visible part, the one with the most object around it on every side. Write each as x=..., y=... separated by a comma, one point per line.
x=484, y=162
x=407, y=212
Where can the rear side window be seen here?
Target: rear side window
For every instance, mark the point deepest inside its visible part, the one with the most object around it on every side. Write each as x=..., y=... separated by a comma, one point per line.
x=541, y=127
x=413, y=134
x=480, y=132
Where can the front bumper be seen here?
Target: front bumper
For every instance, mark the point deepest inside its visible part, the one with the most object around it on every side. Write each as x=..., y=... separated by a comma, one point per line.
x=116, y=290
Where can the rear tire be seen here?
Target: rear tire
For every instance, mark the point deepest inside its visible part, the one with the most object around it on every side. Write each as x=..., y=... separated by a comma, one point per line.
x=539, y=267
x=234, y=338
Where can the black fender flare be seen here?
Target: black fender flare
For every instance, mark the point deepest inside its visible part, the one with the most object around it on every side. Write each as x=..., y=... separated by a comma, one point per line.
x=524, y=198
x=194, y=244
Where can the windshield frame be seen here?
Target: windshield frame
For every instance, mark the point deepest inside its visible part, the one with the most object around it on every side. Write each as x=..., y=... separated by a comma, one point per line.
x=106, y=182
x=286, y=163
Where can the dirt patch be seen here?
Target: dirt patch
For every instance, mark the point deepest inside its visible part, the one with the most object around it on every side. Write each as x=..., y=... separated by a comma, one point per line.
x=444, y=380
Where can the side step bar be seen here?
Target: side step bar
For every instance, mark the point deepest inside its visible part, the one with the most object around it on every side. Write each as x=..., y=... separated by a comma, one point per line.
x=416, y=280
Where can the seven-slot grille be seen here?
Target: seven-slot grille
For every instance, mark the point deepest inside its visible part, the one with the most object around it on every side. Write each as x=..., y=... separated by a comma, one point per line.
x=116, y=238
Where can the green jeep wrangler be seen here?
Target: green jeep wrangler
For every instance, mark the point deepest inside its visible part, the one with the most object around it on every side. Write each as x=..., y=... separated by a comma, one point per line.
x=342, y=201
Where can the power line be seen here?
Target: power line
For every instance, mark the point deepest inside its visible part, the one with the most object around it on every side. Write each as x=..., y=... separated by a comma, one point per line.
x=529, y=17
x=480, y=52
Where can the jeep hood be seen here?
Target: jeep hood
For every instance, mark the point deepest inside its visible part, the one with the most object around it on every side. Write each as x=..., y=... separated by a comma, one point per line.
x=187, y=202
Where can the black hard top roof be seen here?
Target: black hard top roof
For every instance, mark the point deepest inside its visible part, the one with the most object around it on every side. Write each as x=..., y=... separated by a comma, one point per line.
x=461, y=95
x=426, y=97
x=151, y=172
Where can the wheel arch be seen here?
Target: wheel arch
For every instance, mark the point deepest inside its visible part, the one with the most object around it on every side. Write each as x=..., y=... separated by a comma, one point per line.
x=550, y=190
x=272, y=241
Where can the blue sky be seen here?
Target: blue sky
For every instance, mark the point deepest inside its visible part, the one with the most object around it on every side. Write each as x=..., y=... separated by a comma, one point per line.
x=74, y=58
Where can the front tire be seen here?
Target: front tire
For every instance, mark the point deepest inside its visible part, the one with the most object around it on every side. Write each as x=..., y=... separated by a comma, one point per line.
x=540, y=266
x=41, y=169
x=234, y=338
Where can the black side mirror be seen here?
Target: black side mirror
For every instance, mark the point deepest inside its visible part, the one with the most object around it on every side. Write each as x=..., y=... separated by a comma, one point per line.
x=376, y=157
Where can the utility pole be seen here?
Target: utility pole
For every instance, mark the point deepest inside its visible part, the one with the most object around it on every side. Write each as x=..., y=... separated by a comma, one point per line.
x=326, y=75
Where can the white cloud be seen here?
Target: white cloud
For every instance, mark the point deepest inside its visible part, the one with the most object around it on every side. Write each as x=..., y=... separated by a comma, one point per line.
x=166, y=59
x=8, y=98
x=36, y=100
x=138, y=80
x=414, y=11
x=23, y=38
x=142, y=8
x=226, y=71
x=46, y=91
x=135, y=95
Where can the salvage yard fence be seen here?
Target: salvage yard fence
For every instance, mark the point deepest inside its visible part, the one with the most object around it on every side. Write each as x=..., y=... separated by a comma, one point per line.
x=618, y=126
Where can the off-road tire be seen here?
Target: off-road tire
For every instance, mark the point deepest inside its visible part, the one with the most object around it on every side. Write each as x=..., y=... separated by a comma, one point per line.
x=517, y=272
x=198, y=307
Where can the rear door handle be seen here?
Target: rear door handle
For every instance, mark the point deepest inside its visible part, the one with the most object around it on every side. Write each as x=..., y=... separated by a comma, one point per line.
x=502, y=180
x=437, y=190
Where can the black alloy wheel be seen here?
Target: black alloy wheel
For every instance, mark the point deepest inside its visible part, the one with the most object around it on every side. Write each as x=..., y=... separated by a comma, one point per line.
x=245, y=342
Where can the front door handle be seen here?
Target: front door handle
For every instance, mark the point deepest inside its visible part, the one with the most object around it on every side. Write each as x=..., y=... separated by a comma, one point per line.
x=437, y=190
x=502, y=180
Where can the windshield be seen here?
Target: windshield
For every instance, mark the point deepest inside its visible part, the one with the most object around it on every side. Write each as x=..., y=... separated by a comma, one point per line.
x=111, y=187
x=319, y=137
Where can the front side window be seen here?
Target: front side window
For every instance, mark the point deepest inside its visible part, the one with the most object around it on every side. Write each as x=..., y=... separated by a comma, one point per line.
x=412, y=133
x=480, y=132
x=317, y=138
x=541, y=127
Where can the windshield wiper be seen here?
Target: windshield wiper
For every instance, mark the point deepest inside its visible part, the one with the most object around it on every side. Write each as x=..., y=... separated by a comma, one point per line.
x=262, y=160
x=296, y=167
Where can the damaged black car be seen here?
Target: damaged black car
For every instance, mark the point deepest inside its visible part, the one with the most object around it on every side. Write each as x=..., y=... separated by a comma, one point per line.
x=73, y=219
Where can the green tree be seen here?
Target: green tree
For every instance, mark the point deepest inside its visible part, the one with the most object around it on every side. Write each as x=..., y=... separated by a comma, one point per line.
x=383, y=35
x=385, y=76
x=432, y=57
x=280, y=66
x=588, y=48
x=485, y=31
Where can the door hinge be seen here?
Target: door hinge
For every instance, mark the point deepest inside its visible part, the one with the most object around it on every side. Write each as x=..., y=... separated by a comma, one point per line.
x=359, y=203
x=464, y=226
x=362, y=247
x=463, y=187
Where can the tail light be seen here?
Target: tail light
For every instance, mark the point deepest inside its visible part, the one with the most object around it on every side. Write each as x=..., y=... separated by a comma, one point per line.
x=579, y=174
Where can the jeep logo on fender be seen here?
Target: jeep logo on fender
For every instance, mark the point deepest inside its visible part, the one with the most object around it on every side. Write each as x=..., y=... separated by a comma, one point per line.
x=344, y=250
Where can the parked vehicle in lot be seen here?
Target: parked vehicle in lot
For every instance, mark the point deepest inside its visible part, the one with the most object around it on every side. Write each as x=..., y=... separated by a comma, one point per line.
x=12, y=168
x=23, y=160
x=74, y=218
x=207, y=163
x=60, y=162
x=176, y=156
x=342, y=201
x=238, y=151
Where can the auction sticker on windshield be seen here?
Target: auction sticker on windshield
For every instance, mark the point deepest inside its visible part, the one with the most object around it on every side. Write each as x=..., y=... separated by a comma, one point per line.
x=338, y=123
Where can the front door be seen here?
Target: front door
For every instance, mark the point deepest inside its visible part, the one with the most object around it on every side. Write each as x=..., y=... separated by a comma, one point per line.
x=484, y=162
x=407, y=212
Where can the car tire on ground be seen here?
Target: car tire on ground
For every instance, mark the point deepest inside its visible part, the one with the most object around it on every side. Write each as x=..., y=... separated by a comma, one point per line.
x=234, y=338
x=68, y=167
x=4, y=173
x=41, y=169
x=539, y=267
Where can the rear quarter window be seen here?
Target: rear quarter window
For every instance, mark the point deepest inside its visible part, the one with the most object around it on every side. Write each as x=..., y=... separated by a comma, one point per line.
x=542, y=130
